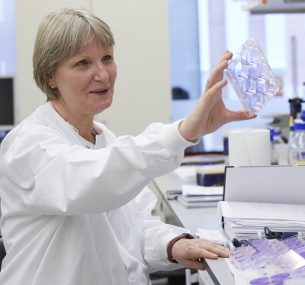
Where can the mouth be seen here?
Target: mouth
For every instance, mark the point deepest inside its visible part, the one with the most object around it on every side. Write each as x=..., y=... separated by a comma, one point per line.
x=99, y=91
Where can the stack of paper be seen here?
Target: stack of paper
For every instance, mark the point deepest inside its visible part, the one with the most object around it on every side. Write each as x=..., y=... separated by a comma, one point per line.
x=186, y=173
x=216, y=236
x=194, y=196
x=243, y=220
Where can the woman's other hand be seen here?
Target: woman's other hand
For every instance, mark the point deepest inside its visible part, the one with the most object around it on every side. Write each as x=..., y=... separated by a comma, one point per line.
x=191, y=252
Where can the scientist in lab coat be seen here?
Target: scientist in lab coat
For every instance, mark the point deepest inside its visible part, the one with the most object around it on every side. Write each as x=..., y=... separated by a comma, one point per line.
x=75, y=209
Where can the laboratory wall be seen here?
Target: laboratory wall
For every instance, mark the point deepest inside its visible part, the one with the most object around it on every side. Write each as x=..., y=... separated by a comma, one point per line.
x=140, y=28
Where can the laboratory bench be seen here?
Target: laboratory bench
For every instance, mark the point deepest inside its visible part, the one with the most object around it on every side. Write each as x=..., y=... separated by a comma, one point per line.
x=192, y=219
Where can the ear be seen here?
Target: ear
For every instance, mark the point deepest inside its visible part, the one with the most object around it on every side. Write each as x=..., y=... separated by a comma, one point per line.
x=51, y=83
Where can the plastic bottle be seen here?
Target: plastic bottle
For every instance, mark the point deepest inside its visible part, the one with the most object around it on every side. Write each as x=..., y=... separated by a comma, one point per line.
x=277, y=146
x=297, y=143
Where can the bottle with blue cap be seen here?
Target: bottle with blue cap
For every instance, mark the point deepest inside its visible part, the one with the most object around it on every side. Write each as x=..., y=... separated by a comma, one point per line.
x=276, y=142
x=297, y=143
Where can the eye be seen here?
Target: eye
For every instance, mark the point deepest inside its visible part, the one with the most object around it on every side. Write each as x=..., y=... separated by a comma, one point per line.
x=82, y=62
x=107, y=58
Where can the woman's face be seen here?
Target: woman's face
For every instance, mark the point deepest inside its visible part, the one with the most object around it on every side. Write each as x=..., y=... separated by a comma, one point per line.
x=85, y=82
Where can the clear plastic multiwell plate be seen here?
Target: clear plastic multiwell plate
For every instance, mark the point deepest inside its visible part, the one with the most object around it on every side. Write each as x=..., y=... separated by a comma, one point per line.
x=251, y=77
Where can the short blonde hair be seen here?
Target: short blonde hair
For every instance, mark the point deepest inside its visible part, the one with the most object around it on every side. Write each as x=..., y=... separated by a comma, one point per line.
x=60, y=36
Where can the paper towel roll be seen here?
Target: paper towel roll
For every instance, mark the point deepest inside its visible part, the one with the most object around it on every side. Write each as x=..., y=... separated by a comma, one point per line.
x=249, y=147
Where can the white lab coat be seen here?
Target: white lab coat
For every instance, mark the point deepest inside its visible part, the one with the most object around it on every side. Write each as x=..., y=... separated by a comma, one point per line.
x=74, y=213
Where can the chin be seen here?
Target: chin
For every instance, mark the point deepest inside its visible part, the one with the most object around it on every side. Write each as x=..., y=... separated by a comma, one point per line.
x=102, y=108
x=101, y=105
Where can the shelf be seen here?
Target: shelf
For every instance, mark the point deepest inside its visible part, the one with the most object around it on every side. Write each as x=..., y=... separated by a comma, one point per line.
x=275, y=6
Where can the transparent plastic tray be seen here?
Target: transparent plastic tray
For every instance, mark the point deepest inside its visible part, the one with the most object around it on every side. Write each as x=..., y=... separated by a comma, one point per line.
x=251, y=77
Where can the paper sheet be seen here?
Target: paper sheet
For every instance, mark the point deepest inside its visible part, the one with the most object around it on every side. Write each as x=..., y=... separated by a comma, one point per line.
x=247, y=220
x=201, y=190
x=271, y=211
x=212, y=235
x=186, y=173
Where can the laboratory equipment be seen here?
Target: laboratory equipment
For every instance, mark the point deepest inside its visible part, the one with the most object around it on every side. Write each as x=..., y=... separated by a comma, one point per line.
x=252, y=77
x=296, y=149
x=277, y=146
x=295, y=103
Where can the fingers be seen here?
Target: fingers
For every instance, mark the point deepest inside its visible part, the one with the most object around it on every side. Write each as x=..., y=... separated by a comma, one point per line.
x=226, y=56
x=213, y=251
x=206, y=253
x=218, y=249
x=205, y=249
x=217, y=74
x=193, y=252
x=241, y=115
x=224, y=59
x=215, y=89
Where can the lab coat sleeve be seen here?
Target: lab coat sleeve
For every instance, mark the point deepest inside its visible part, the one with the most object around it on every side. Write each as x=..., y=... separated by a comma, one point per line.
x=55, y=177
x=156, y=235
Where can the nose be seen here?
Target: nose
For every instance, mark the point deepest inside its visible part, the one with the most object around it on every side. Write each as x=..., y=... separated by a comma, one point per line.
x=101, y=73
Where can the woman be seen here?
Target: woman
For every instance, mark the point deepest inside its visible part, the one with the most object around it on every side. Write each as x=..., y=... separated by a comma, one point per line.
x=75, y=209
